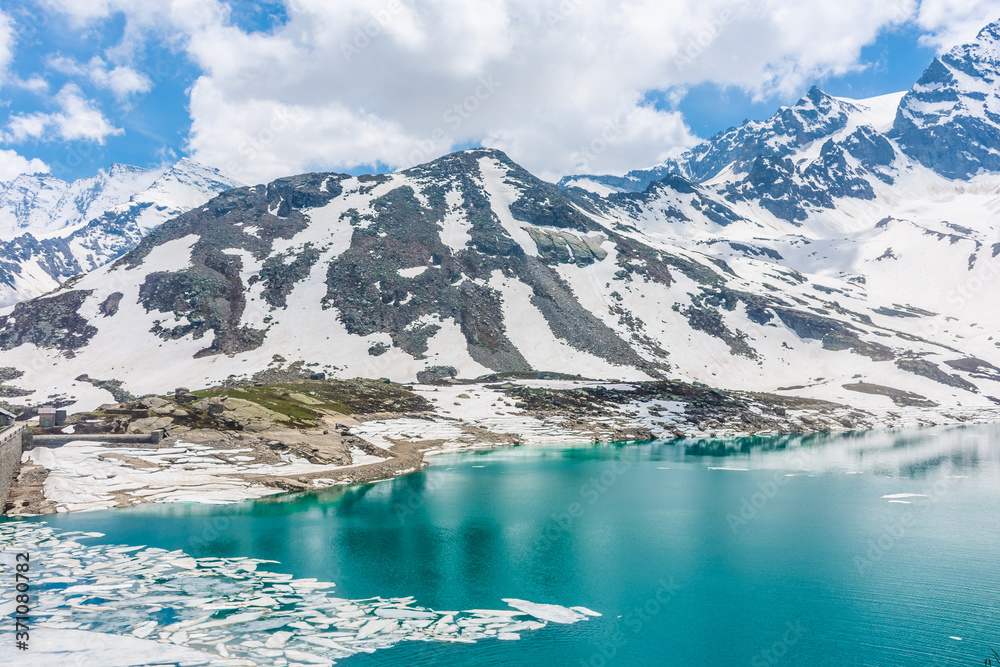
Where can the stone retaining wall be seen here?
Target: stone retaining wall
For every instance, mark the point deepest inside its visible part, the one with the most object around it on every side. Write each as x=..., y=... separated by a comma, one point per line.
x=10, y=459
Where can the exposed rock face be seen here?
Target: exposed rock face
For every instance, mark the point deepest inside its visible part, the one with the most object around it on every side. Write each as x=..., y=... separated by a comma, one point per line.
x=950, y=120
x=50, y=322
x=835, y=335
x=560, y=247
x=109, y=306
x=242, y=415
x=437, y=373
x=210, y=294
x=932, y=371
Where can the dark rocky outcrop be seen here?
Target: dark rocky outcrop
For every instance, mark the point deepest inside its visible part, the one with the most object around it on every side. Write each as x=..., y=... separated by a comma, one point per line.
x=932, y=371
x=836, y=335
x=52, y=322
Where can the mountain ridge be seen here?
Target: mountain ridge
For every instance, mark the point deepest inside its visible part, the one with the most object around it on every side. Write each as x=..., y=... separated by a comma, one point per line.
x=948, y=123
x=57, y=230
x=470, y=266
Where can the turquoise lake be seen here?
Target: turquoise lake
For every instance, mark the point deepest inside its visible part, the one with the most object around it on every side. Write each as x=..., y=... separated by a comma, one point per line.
x=879, y=548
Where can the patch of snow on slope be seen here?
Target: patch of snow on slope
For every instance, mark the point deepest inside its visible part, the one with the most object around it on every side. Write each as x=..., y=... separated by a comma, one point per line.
x=878, y=112
x=456, y=226
x=502, y=195
x=531, y=334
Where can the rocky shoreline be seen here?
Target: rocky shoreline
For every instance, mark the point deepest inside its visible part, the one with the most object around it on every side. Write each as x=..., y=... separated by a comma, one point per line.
x=235, y=444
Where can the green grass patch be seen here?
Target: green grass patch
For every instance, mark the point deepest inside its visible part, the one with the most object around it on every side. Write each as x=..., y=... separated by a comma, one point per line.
x=345, y=397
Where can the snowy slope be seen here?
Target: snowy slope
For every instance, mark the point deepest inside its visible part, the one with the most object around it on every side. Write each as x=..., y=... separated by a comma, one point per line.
x=51, y=230
x=470, y=262
x=39, y=204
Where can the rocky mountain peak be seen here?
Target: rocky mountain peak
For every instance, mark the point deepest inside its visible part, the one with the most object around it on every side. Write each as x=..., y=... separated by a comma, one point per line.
x=990, y=34
x=950, y=120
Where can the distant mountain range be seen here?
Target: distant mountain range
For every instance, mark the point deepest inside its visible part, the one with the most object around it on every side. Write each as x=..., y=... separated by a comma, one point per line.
x=843, y=249
x=813, y=158
x=51, y=230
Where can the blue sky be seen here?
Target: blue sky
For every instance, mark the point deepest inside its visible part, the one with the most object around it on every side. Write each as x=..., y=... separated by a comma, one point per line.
x=892, y=63
x=269, y=88
x=154, y=123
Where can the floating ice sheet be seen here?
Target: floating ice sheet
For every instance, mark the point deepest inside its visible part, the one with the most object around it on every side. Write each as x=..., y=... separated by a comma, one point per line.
x=112, y=604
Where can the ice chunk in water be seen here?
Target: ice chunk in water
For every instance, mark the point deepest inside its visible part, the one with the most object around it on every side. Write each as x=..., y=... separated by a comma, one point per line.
x=130, y=586
x=392, y=612
x=585, y=611
x=546, y=612
x=278, y=639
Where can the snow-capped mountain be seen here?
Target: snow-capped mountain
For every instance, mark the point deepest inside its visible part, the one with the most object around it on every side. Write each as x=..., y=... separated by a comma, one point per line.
x=819, y=157
x=39, y=204
x=950, y=120
x=813, y=254
x=816, y=150
x=51, y=230
x=471, y=263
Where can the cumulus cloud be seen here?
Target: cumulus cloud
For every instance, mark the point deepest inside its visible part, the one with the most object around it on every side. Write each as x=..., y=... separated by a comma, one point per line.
x=82, y=11
x=953, y=22
x=77, y=120
x=572, y=77
x=12, y=165
x=34, y=84
x=122, y=80
x=562, y=85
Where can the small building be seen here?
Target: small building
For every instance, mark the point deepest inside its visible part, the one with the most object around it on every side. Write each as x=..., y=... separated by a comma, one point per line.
x=6, y=418
x=46, y=416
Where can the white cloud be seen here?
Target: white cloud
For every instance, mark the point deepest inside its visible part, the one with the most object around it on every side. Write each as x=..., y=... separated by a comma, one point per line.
x=265, y=138
x=364, y=81
x=26, y=126
x=122, y=80
x=65, y=65
x=77, y=120
x=34, y=84
x=6, y=45
x=572, y=75
x=82, y=11
x=952, y=22
x=12, y=165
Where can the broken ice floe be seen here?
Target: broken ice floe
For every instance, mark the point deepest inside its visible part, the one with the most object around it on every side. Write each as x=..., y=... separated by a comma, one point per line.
x=221, y=611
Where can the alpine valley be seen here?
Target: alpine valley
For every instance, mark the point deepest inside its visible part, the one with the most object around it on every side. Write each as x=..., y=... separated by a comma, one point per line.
x=842, y=250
